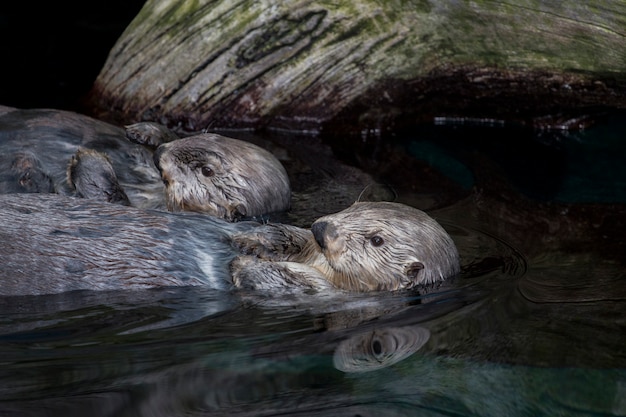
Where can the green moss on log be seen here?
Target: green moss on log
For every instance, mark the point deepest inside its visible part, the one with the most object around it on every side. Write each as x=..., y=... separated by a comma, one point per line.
x=298, y=64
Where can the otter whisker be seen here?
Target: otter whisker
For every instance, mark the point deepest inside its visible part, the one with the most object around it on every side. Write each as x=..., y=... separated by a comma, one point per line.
x=358, y=199
x=370, y=185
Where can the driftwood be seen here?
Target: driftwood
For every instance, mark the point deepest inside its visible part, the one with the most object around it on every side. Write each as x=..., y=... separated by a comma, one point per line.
x=365, y=65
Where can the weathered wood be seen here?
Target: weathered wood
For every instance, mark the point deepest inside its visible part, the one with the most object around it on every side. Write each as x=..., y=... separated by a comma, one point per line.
x=301, y=64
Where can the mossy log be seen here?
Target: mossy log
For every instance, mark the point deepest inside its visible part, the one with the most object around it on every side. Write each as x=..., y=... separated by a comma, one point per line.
x=363, y=65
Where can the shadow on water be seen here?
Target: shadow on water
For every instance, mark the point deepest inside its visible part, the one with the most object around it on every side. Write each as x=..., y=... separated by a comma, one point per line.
x=534, y=324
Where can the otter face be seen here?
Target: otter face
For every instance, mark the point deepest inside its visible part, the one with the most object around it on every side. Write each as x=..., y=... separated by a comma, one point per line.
x=375, y=246
x=223, y=177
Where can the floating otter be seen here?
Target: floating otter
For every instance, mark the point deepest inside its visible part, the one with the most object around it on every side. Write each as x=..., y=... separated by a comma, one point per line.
x=213, y=174
x=207, y=173
x=51, y=244
x=52, y=137
x=370, y=246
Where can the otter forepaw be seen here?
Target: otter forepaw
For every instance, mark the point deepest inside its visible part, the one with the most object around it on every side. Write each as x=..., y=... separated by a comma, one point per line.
x=90, y=173
x=241, y=271
x=252, y=244
x=149, y=134
x=251, y=273
x=274, y=242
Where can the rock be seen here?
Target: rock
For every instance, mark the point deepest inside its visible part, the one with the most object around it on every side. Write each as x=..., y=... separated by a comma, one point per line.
x=363, y=66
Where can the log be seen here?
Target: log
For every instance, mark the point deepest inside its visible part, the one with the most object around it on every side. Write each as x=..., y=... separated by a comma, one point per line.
x=363, y=65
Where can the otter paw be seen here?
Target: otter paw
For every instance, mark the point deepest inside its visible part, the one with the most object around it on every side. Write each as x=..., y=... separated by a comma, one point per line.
x=149, y=134
x=240, y=269
x=251, y=273
x=246, y=244
x=274, y=242
x=29, y=175
x=91, y=175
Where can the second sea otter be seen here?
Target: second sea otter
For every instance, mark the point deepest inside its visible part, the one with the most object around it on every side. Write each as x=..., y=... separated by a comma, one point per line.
x=207, y=173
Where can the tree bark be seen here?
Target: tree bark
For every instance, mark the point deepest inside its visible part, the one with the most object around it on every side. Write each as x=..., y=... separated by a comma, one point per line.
x=363, y=65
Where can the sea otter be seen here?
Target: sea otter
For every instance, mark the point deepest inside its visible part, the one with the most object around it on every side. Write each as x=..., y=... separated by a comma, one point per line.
x=370, y=246
x=213, y=174
x=221, y=176
x=208, y=173
x=51, y=243
x=49, y=138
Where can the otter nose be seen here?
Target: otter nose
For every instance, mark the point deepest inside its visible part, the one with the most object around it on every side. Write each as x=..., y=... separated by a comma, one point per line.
x=323, y=232
x=157, y=157
x=318, y=229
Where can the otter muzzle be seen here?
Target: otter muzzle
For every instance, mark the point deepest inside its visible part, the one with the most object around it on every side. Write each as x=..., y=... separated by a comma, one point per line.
x=325, y=233
x=156, y=157
x=319, y=229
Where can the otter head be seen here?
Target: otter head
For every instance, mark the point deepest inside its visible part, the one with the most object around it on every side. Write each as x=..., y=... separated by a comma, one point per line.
x=223, y=177
x=374, y=246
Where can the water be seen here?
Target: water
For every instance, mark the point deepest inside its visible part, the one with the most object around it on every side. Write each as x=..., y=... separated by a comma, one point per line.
x=534, y=326
x=578, y=166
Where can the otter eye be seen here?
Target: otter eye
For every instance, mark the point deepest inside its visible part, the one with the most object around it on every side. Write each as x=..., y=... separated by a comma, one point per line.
x=377, y=240
x=207, y=172
x=377, y=347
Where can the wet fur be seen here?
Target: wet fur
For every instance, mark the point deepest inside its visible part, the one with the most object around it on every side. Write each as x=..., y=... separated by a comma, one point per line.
x=52, y=244
x=52, y=137
x=37, y=145
x=91, y=175
x=223, y=177
x=22, y=172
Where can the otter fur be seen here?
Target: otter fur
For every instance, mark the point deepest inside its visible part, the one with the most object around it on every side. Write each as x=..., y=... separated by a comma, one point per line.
x=221, y=176
x=22, y=172
x=51, y=244
x=208, y=173
x=91, y=175
x=370, y=246
x=45, y=140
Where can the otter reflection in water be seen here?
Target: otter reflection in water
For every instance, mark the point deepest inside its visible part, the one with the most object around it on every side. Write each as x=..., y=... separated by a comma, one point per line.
x=379, y=348
x=52, y=244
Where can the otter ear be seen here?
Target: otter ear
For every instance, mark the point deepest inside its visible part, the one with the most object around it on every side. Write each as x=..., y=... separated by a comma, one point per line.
x=413, y=270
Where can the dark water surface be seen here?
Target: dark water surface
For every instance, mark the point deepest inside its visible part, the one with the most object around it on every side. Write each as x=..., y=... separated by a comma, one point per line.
x=534, y=326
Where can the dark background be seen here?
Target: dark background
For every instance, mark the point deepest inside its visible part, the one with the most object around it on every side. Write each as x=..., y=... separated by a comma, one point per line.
x=51, y=52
